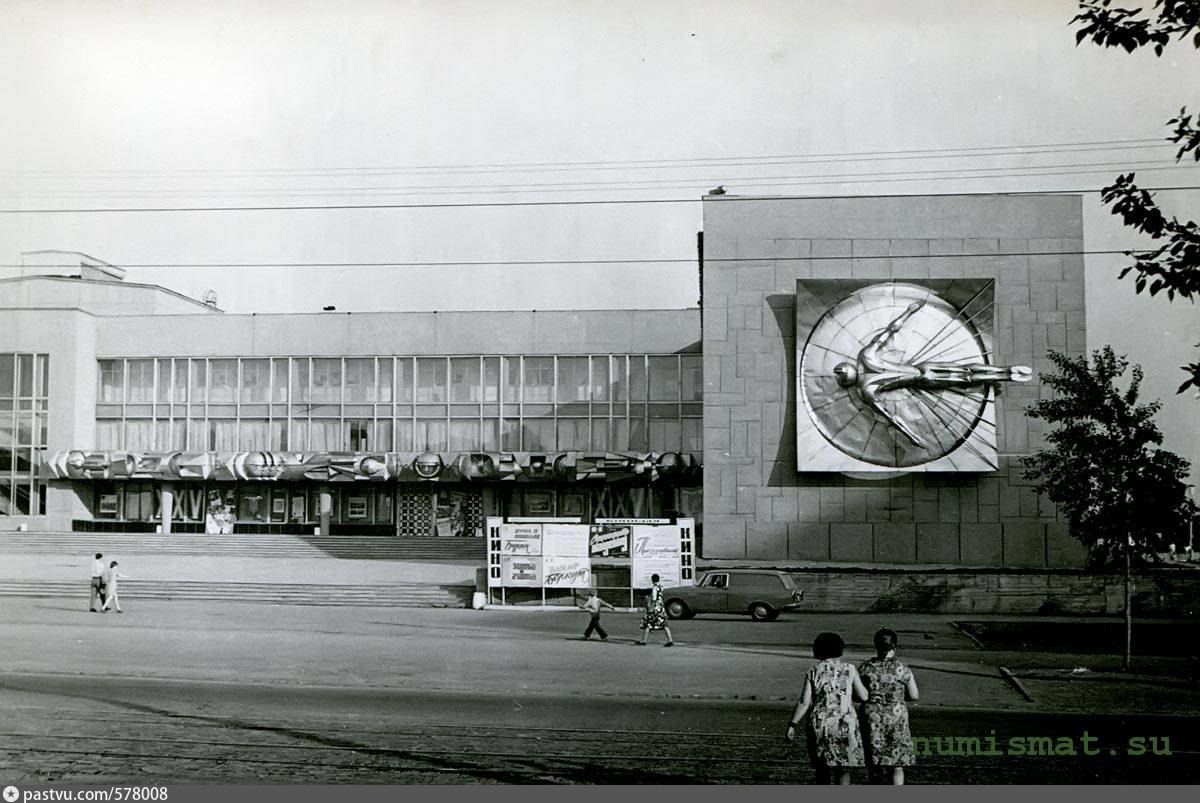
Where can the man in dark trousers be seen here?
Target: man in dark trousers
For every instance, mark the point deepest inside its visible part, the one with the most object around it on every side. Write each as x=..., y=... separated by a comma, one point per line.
x=594, y=605
x=97, y=582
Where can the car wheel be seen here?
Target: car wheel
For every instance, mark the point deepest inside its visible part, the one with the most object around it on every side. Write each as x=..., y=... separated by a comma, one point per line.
x=678, y=609
x=762, y=612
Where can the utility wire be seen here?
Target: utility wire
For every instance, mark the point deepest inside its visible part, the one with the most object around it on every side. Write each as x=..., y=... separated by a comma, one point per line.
x=628, y=184
x=633, y=261
x=625, y=164
x=584, y=202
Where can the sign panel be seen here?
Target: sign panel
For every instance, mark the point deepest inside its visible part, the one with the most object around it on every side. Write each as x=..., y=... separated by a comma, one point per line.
x=645, y=567
x=656, y=541
x=521, y=539
x=566, y=572
x=521, y=572
x=356, y=507
x=565, y=540
x=609, y=540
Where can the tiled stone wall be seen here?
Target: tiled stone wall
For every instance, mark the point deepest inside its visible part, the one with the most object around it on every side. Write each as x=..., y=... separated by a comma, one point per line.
x=756, y=504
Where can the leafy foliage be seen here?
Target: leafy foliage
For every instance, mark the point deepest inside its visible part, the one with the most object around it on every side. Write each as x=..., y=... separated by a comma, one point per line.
x=1103, y=468
x=1174, y=266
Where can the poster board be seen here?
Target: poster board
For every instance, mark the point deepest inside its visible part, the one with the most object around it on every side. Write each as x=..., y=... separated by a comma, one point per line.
x=609, y=540
x=565, y=540
x=521, y=539
x=566, y=572
x=520, y=571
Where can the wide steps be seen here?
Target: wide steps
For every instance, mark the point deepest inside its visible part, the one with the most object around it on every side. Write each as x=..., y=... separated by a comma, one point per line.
x=391, y=595
x=247, y=545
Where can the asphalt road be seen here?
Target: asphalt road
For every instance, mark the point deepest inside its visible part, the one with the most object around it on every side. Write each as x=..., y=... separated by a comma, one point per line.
x=203, y=693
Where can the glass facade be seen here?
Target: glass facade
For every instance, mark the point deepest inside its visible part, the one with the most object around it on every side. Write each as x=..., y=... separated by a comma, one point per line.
x=24, y=408
x=608, y=402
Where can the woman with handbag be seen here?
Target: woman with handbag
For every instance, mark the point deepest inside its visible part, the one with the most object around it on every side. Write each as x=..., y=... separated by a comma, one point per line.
x=655, y=617
x=830, y=689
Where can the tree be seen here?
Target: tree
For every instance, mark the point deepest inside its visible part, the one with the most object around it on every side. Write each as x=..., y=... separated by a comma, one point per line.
x=1174, y=266
x=1103, y=467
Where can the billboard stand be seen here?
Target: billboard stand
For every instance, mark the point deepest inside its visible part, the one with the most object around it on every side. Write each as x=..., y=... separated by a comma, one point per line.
x=563, y=554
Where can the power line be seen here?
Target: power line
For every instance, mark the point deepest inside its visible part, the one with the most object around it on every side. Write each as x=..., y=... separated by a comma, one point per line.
x=628, y=184
x=584, y=202
x=622, y=164
x=631, y=261
x=669, y=164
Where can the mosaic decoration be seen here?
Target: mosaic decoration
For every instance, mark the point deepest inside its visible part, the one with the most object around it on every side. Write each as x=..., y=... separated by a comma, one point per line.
x=897, y=376
x=339, y=467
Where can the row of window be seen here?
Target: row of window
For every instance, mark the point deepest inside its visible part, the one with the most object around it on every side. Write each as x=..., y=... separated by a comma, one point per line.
x=24, y=386
x=402, y=435
x=403, y=380
x=24, y=376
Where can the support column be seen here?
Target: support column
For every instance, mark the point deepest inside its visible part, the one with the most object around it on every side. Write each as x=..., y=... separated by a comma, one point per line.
x=325, y=507
x=166, y=504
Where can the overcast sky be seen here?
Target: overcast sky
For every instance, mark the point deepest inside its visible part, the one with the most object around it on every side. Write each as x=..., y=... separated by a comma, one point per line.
x=290, y=103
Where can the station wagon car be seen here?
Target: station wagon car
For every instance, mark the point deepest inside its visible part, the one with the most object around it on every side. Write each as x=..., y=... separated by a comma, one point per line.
x=762, y=593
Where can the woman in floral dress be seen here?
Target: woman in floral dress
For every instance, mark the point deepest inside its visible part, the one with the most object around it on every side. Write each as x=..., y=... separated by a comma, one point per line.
x=885, y=715
x=655, y=617
x=830, y=689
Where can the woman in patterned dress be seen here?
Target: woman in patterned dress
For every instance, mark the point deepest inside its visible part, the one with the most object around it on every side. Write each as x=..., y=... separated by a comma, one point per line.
x=885, y=715
x=830, y=689
x=655, y=617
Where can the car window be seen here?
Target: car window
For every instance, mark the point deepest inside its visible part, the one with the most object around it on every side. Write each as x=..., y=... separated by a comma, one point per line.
x=716, y=581
x=758, y=582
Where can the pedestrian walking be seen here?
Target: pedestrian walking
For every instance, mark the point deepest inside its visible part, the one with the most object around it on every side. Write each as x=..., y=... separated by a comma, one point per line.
x=655, y=617
x=594, y=605
x=110, y=579
x=97, y=586
x=885, y=713
x=830, y=689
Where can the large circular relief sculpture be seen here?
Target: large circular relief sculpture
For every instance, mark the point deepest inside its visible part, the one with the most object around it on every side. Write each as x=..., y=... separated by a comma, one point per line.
x=895, y=376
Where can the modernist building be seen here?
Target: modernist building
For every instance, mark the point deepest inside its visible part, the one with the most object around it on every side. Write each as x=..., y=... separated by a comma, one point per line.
x=131, y=407
x=852, y=391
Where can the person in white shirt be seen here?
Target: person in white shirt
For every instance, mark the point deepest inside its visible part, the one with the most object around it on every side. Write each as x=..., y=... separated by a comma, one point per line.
x=110, y=578
x=594, y=605
x=97, y=581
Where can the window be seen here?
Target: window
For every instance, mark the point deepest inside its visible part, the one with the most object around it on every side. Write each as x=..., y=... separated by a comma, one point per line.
x=431, y=435
x=491, y=379
x=386, y=375
x=165, y=375
x=572, y=379
x=300, y=380
x=664, y=379
x=465, y=387
x=511, y=376
x=404, y=380
x=140, y=382
x=325, y=435
x=431, y=381
x=357, y=434
x=279, y=385
x=199, y=381
x=181, y=381
x=222, y=381
x=383, y=435
x=464, y=435
x=538, y=382
x=538, y=435
x=692, y=380
x=360, y=381
x=574, y=434
x=254, y=435
x=600, y=379
x=326, y=380
x=637, y=378
x=8, y=369
x=111, y=380
x=256, y=381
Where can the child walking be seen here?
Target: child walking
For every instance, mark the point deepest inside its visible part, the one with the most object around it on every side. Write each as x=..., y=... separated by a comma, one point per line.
x=112, y=575
x=594, y=605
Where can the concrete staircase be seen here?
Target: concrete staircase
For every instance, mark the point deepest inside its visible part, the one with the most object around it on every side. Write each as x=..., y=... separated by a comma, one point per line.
x=389, y=595
x=347, y=547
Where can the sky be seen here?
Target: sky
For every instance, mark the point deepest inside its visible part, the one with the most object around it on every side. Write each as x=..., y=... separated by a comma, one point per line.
x=251, y=103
